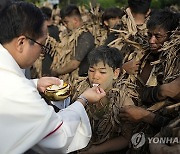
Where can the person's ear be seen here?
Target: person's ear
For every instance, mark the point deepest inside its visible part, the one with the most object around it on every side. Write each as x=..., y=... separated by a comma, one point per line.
x=20, y=43
x=116, y=73
x=76, y=20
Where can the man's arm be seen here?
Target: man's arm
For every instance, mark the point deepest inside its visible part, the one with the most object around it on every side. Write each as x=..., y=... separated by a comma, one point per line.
x=159, y=93
x=114, y=144
x=171, y=89
x=138, y=114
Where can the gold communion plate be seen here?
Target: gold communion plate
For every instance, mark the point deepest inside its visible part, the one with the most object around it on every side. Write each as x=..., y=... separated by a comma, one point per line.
x=57, y=94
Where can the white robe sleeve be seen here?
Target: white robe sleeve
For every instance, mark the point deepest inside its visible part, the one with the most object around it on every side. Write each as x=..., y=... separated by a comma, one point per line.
x=26, y=120
x=73, y=134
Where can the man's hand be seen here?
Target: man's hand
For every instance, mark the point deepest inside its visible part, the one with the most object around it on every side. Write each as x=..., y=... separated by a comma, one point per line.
x=44, y=82
x=94, y=94
x=171, y=89
x=132, y=66
x=136, y=114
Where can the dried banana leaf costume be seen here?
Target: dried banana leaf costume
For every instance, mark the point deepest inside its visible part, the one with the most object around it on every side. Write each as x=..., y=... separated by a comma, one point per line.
x=165, y=70
x=95, y=26
x=99, y=33
x=36, y=69
x=130, y=32
x=133, y=42
x=167, y=67
x=65, y=51
x=105, y=122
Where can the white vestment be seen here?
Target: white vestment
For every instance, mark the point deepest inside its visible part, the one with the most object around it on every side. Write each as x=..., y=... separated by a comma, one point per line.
x=27, y=121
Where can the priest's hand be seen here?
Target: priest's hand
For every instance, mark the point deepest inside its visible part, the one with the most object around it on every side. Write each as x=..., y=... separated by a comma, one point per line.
x=44, y=82
x=94, y=94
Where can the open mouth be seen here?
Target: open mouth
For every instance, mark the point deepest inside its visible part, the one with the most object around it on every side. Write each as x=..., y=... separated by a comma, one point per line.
x=95, y=84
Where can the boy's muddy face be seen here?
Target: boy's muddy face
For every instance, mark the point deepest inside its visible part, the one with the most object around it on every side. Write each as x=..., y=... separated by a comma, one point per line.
x=101, y=75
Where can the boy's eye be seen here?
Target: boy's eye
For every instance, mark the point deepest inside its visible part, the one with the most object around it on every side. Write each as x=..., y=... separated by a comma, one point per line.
x=103, y=72
x=91, y=70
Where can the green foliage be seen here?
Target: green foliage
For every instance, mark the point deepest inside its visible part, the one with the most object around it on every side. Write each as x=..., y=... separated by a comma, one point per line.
x=164, y=3
x=112, y=3
x=33, y=1
x=107, y=3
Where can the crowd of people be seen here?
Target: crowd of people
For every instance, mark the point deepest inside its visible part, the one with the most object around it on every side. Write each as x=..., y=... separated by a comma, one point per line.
x=123, y=65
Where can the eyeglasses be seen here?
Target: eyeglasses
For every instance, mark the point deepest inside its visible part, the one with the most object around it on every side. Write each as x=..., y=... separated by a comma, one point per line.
x=44, y=48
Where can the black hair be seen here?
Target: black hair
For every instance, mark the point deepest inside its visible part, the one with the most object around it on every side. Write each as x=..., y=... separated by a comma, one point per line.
x=20, y=18
x=4, y=4
x=139, y=6
x=165, y=19
x=47, y=12
x=110, y=13
x=55, y=6
x=70, y=10
x=109, y=55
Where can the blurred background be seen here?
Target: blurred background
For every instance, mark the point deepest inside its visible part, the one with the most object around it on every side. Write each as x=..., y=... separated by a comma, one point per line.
x=105, y=3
